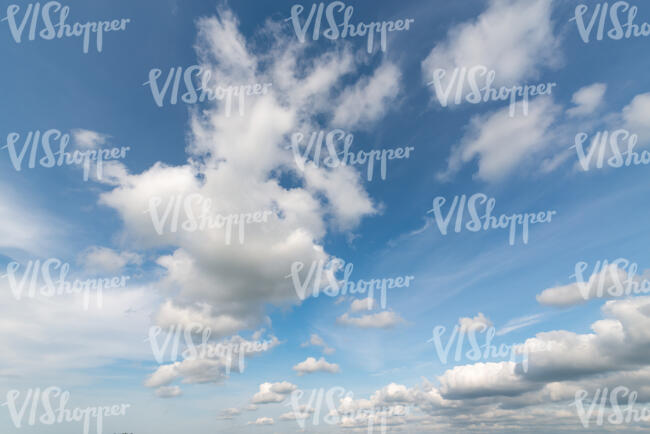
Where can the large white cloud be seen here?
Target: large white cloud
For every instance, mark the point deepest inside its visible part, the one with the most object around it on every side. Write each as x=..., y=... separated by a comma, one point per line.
x=238, y=162
x=512, y=397
x=311, y=365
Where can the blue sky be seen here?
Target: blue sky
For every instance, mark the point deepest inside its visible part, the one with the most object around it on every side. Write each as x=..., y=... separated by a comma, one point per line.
x=101, y=226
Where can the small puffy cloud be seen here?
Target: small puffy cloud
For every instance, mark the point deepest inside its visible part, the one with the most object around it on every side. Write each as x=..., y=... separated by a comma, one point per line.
x=263, y=421
x=168, y=392
x=88, y=139
x=273, y=392
x=587, y=99
x=385, y=319
x=311, y=365
x=103, y=259
x=317, y=341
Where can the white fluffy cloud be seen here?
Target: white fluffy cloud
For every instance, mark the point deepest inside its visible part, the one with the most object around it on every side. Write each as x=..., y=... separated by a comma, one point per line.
x=506, y=397
x=237, y=162
x=273, y=392
x=311, y=365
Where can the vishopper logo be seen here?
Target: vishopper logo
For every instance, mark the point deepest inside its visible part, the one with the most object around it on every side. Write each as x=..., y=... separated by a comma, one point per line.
x=205, y=92
x=333, y=17
x=51, y=414
x=612, y=280
x=333, y=140
x=487, y=220
x=603, y=398
x=196, y=212
x=36, y=271
x=466, y=81
x=346, y=414
x=464, y=335
x=617, y=30
x=204, y=350
x=49, y=139
x=51, y=28
x=321, y=272
x=616, y=156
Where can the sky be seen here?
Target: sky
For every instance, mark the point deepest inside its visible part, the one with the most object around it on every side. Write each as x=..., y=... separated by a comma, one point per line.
x=474, y=323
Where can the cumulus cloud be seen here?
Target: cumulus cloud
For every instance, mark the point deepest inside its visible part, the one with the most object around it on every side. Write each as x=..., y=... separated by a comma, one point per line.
x=238, y=162
x=273, y=392
x=311, y=365
x=518, y=396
